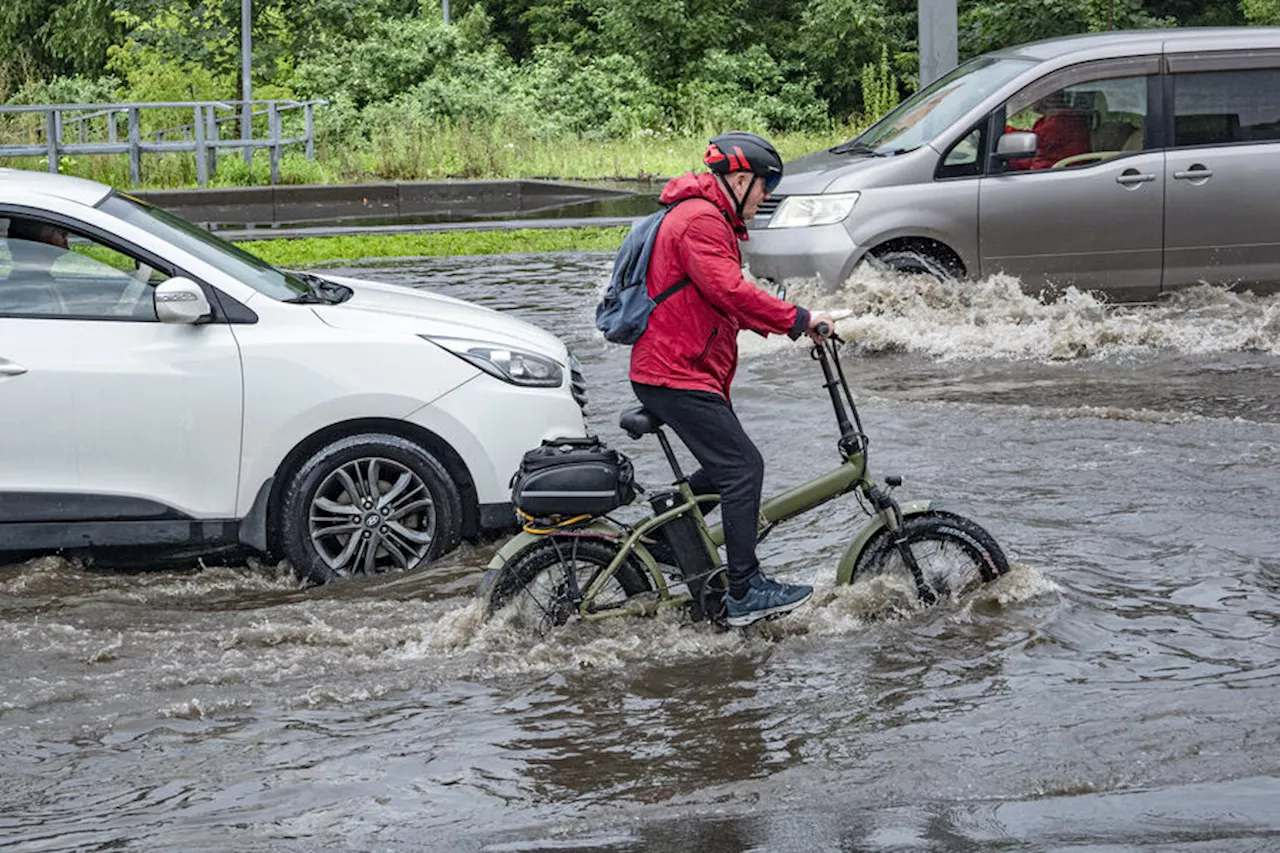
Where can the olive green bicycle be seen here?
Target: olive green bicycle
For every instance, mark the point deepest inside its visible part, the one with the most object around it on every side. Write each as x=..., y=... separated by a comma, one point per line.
x=578, y=562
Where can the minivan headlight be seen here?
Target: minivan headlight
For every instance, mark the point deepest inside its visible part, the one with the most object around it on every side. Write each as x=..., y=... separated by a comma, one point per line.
x=797, y=211
x=509, y=365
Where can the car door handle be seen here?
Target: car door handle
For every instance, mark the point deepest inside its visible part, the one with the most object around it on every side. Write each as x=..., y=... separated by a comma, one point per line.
x=1196, y=172
x=10, y=368
x=1132, y=176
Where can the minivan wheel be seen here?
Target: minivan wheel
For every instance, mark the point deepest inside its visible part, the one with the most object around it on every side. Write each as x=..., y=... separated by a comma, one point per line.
x=912, y=262
x=368, y=504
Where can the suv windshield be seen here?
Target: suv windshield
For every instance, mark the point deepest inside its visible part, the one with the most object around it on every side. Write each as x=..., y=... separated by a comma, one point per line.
x=936, y=107
x=216, y=252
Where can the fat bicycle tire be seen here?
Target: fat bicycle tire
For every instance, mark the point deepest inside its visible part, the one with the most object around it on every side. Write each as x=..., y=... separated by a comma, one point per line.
x=537, y=576
x=955, y=554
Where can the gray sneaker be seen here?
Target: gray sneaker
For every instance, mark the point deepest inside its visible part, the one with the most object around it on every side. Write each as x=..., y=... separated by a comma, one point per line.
x=765, y=597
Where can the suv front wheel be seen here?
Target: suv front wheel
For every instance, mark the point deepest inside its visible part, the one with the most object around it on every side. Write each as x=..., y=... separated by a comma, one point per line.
x=368, y=504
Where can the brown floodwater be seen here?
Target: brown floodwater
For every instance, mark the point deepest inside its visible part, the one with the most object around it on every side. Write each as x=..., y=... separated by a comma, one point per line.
x=1116, y=692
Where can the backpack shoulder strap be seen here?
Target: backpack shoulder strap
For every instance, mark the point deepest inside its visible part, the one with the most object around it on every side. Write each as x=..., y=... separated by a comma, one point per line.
x=686, y=281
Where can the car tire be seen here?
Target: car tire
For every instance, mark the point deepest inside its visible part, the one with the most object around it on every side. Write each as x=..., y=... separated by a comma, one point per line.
x=911, y=262
x=367, y=504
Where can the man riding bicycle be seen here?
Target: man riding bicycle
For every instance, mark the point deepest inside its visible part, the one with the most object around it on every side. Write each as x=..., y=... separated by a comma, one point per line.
x=683, y=364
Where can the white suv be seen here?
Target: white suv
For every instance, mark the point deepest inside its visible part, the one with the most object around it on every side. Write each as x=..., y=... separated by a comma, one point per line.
x=161, y=387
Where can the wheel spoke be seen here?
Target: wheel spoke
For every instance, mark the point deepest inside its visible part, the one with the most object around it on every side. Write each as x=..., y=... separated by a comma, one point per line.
x=332, y=506
x=370, y=556
x=548, y=620
x=373, y=483
x=409, y=509
x=397, y=552
x=396, y=490
x=339, y=562
x=349, y=483
x=413, y=551
x=322, y=527
x=411, y=499
x=419, y=537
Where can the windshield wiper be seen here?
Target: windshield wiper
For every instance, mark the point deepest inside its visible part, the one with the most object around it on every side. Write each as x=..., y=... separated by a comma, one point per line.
x=853, y=146
x=856, y=147
x=308, y=298
x=320, y=290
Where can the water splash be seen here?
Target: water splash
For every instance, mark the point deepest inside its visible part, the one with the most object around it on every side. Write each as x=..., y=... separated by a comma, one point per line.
x=503, y=645
x=62, y=578
x=883, y=311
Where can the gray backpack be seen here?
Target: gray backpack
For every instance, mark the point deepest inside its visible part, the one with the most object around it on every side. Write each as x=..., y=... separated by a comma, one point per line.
x=624, y=309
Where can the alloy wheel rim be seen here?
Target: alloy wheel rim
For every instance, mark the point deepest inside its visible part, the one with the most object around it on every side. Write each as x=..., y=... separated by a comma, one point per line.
x=372, y=515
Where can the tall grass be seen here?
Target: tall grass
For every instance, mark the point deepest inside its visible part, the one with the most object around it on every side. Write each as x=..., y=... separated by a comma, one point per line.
x=434, y=153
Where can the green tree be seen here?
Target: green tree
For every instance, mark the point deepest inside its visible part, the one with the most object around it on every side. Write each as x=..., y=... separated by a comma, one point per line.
x=46, y=37
x=1265, y=12
x=839, y=37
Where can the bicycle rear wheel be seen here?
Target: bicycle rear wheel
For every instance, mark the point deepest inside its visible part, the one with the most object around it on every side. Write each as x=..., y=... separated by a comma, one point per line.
x=955, y=555
x=545, y=581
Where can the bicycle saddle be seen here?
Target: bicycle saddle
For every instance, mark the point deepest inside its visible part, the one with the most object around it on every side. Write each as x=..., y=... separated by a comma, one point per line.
x=639, y=421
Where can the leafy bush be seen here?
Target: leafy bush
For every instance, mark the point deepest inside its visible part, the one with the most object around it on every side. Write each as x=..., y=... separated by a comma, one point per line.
x=879, y=88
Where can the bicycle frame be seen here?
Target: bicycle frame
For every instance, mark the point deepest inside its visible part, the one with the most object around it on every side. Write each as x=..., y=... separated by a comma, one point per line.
x=851, y=475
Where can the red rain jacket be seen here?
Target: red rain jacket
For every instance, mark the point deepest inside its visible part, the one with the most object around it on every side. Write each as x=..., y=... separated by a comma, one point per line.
x=691, y=341
x=1057, y=137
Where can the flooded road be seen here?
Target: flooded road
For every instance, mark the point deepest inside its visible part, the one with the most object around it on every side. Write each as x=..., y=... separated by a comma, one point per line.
x=1116, y=692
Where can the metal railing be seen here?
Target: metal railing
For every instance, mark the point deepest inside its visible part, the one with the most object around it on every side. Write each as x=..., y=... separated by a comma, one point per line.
x=202, y=136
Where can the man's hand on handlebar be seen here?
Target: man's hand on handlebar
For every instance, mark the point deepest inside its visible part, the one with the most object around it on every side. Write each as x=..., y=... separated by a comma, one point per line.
x=820, y=326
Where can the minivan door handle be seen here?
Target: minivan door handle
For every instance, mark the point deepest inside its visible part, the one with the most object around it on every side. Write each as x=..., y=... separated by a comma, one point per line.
x=10, y=368
x=1131, y=177
x=1196, y=173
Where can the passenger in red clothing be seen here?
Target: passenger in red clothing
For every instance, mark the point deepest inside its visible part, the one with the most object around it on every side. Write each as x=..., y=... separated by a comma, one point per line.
x=1061, y=131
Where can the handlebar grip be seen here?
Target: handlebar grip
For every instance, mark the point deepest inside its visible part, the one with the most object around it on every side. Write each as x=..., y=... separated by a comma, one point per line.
x=823, y=329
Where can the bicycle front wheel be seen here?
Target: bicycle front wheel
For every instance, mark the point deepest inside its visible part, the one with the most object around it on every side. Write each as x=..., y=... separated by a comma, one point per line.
x=955, y=555
x=546, y=580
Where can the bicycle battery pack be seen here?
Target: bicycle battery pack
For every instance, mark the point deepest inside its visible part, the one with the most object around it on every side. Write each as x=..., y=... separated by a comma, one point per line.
x=705, y=580
x=572, y=476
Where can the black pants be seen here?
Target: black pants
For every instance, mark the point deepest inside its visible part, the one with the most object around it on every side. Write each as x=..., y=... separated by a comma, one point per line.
x=731, y=466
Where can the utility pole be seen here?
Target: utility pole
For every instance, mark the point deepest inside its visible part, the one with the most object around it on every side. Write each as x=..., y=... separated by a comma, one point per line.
x=446, y=11
x=246, y=85
x=939, y=52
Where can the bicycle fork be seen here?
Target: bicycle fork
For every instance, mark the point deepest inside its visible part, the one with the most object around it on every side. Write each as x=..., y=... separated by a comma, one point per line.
x=891, y=515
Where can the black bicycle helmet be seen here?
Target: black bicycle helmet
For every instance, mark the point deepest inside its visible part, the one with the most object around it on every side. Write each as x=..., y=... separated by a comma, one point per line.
x=741, y=151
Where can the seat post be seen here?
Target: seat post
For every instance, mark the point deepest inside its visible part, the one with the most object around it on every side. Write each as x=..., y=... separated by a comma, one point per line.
x=671, y=457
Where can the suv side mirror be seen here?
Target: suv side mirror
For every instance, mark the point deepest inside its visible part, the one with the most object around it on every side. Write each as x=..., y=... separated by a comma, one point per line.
x=1017, y=145
x=181, y=300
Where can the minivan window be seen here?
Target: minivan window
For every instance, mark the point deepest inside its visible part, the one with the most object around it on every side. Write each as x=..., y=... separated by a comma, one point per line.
x=963, y=160
x=218, y=253
x=938, y=106
x=1088, y=122
x=1219, y=107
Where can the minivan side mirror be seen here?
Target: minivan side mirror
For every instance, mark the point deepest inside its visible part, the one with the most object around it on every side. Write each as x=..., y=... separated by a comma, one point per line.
x=181, y=300
x=1017, y=145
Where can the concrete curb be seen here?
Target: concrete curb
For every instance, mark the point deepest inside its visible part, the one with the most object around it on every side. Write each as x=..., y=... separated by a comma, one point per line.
x=239, y=235
x=450, y=200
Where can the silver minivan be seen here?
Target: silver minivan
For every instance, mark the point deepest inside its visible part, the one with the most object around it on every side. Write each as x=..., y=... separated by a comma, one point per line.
x=1132, y=163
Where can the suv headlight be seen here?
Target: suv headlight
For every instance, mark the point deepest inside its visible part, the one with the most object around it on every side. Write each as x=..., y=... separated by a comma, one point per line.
x=509, y=365
x=800, y=210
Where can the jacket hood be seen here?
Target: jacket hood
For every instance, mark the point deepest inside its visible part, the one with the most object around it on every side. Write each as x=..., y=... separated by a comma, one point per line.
x=703, y=185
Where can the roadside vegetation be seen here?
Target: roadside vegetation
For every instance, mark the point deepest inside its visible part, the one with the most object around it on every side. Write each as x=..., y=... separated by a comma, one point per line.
x=514, y=88
x=313, y=251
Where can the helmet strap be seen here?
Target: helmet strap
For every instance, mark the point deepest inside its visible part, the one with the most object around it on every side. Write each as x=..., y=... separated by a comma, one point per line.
x=739, y=202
